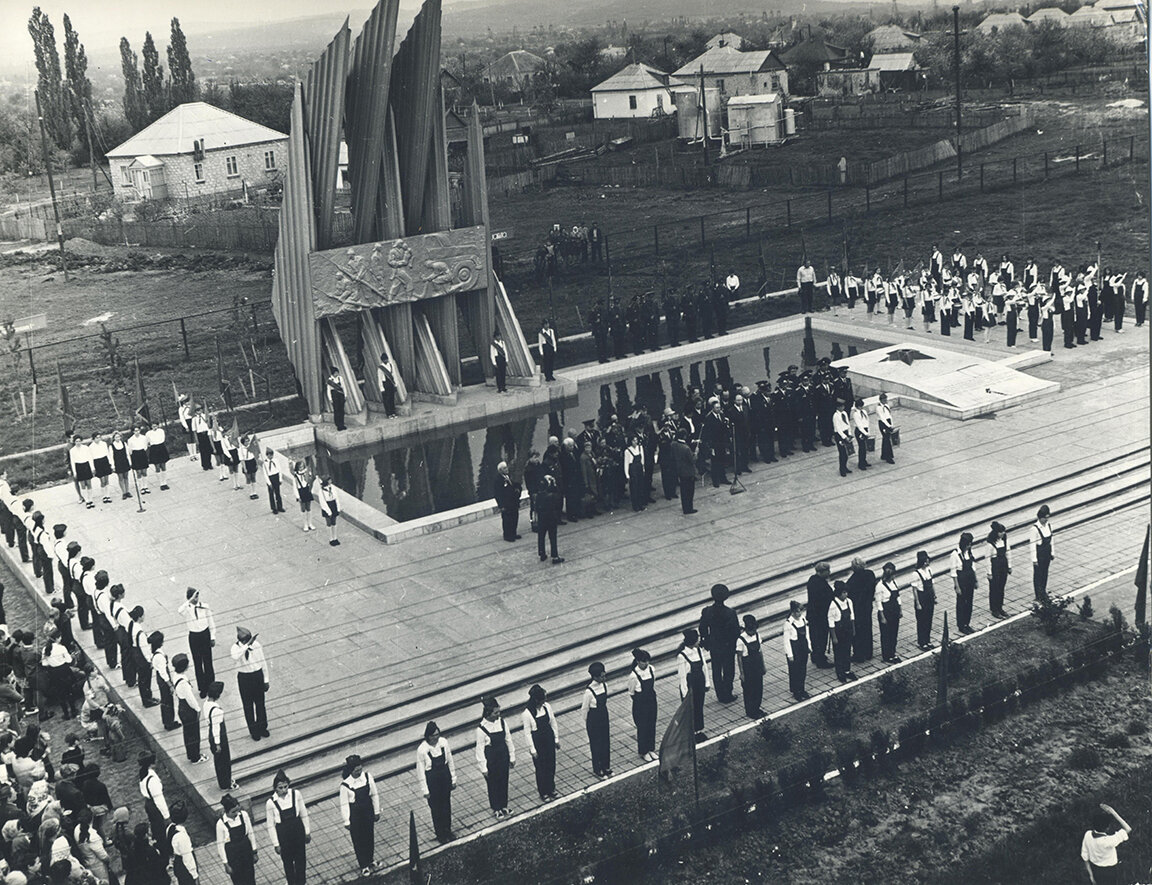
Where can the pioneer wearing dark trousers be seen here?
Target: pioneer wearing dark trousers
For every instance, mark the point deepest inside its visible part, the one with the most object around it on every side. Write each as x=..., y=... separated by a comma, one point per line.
x=840, y=626
x=964, y=579
x=252, y=680
x=796, y=649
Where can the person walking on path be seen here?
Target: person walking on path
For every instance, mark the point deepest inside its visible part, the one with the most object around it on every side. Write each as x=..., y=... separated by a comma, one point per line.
x=495, y=754
x=796, y=649
x=542, y=737
x=436, y=774
x=360, y=809
x=693, y=677
x=1040, y=541
x=841, y=621
x=1098, y=848
x=642, y=689
x=187, y=708
x=924, y=601
x=217, y=729
x=998, y=559
x=252, y=681
x=719, y=630
x=236, y=842
x=201, y=638
x=289, y=827
x=888, y=611
x=594, y=709
x=751, y=668
x=964, y=579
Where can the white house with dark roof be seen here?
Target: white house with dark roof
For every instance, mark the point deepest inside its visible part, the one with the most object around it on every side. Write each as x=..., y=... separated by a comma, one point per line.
x=194, y=150
x=639, y=90
x=736, y=73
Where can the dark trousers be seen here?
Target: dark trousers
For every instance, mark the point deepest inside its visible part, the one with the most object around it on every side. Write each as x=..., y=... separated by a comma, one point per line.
x=668, y=481
x=1033, y=322
x=752, y=687
x=924, y=623
x=767, y=446
x=1040, y=578
x=274, y=499
x=996, y=582
x=111, y=643
x=599, y=744
x=806, y=297
x=861, y=450
x=723, y=672
x=222, y=762
x=1141, y=312
x=190, y=721
x=22, y=539
x=1118, y=315
x=644, y=715
x=548, y=364
x=167, y=704
x=687, y=493
x=1013, y=328
x=501, y=375
x=842, y=658
x=200, y=644
x=293, y=856
x=964, y=606
x=362, y=829
x=338, y=409
x=548, y=531
x=128, y=665
x=842, y=451
x=144, y=679
x=819, y=633
x=252, y=692
x=509, y=521
x=888, y=633
x=886, y=446
x=388, y=395
x=545, y=765
x=1047, y=333
x=797, y=674
x=719, y=472
x=48, y=573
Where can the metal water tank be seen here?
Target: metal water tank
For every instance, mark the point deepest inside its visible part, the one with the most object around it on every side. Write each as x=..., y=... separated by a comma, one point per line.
x=789, y=122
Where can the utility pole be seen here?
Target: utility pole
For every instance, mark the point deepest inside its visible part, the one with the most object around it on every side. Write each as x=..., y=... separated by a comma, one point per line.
x=956, y=65
x=51, y=185
x=704, y=116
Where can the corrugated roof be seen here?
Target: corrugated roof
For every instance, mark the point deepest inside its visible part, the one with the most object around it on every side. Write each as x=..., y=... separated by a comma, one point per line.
x=726, y=60
x=815, y=49
x=1049, y=13
x=1088, y=15
x=633, y=78
x=1001, y=20
x=893, y=61
x=176, y=130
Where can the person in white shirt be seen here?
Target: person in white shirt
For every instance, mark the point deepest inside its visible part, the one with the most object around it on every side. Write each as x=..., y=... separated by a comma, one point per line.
x=495, y=754
x=546, y=342
x=217, y=728
x=1040, y=542
x=101, y=457
x=55, y=666
x=155, y=805
x=184, y=412
x=137, y=446
x=498, y=354
x=888, y=611
x=436, y=775
x=796, y=649
x=230, y=453
x=642, y=689
x=751, y=658
x=272, y=480
x=121, y=465
x=289, y=827
x=177, y=843
x=692, y=672
x=325, y=494
x=360, y=809
x=162, y=668
x=806, y=283
x=887, y=427
x=302, y=484
x=1098, y=847
x=841, y=626
x=1119, y=296
x=203, y=433
x=249, y=460
x=842, y=433
x=386, y=379
x=80, y=460
x=252, y=680
x=201, y=638
x=187, y=707
x=542, y=738
x=594, y=711
x=964, y=579
x=1140, y=298
x=862, y=432
x=236, y=842
x=924, y=601
x=835, y=286
x=158, y=452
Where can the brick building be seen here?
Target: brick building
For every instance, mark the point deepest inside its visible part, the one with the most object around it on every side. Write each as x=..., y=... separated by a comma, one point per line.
x=195, y=150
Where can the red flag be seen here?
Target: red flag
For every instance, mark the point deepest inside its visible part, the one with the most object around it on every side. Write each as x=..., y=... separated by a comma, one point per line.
x=678, y=747
x=254, y=446
x=234, y=433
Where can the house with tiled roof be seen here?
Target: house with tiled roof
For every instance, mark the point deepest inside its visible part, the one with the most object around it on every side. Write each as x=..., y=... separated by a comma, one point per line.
x=732, y=72
x=194, y=150
x=639, y=90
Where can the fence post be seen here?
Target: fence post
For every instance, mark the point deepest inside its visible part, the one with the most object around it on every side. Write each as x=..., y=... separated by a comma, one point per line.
x=656, y=238
x=1077, y=158
x=829, y=205
x=1013, y=170
x=748, y=223
x=184, y=336
x=905, y=191
x=788, y=210
x=703, y=242
x=940, y=184
x=981, y=178
x=32, y=367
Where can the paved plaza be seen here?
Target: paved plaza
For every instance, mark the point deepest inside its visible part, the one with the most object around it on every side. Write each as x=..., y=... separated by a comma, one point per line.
x=366, y=641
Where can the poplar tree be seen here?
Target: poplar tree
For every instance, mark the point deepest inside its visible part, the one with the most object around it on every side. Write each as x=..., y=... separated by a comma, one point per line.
x=155, y=96
x=183, y=81
x=79, y=87
x=49, y=82
x=135, y=111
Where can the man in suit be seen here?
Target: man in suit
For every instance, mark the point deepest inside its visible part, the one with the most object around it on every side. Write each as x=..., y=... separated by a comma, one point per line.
x=862, y=591
x=685, y=463
x=719, y=630
x=507, y=497
x=819, y=598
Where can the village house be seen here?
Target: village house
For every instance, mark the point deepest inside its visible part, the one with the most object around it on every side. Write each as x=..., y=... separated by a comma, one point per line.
x=732, y=72
x=638, y=90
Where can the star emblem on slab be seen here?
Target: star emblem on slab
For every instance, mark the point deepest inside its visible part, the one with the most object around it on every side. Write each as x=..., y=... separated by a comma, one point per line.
x=906, y=355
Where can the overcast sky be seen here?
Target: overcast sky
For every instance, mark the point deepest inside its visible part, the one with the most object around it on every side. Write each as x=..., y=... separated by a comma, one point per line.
x=101, y=23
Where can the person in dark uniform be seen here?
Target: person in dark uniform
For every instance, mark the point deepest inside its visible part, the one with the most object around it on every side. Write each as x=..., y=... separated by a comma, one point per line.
x=618, y=328
x=751, y=657
x=762, y=421
x=495, y=754
x=685, y=462
x=689, y=316
x=598, y=323
x=997, y=556
x=693, y=677
x=796, y=649
x=360, y=809
x=841, y=624
x=805, y=412
x=573, y=480
x=924, y=601
x=704, y=308
x=386, y=378
x=719, y=631
x=498, y=354
x=546, y=342
x=782, y=411
x=1040, y=542
x=888, y=613
x=336, y=395
x=549, y=506
x=236, y=842
x=964, y=580
x=436, y=774
x=670, y=304
x=289, y=827
x=217, y=729
x=722, y=295
x=594, y=710
x=819, y=598
x=714, y=436
x=642, y=689
x=861, y=586
x=542, y=738
x=507, y=496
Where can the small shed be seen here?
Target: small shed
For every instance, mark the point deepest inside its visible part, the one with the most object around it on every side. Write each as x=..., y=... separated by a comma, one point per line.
x=898, y=70
x=690, y=120
x=755, y=120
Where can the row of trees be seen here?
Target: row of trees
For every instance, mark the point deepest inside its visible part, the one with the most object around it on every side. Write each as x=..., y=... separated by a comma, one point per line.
x=65, y=95
x=147, y=95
